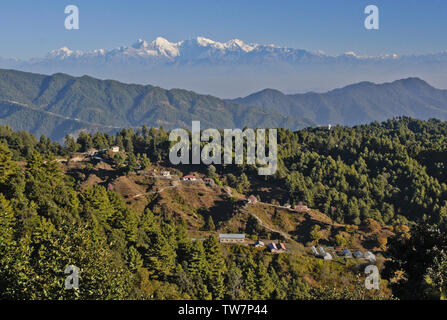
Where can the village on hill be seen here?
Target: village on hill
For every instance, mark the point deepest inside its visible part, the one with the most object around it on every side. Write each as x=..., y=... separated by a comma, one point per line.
x=300, y=228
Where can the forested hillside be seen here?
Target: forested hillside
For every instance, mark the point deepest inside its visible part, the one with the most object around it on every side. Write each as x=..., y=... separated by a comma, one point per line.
x=61, y=104
x=358, y=103
x=388, y=176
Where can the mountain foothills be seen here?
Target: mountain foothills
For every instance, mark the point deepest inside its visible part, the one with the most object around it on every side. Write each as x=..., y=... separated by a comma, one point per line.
x=60, y=104
x=137, y=230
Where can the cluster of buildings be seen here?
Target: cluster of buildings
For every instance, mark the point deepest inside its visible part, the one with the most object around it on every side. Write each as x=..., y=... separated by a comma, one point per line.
x=95, y=154
x=321, y=253
x=347, y=254
x=239, y=238
x=207, y=181
x=277, y=247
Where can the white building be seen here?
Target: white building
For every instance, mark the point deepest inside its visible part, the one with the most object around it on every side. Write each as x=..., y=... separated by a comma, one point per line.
x=231, y=238
x=370, y=256
x=165, y=173
x=327, y=256
x=259, y=244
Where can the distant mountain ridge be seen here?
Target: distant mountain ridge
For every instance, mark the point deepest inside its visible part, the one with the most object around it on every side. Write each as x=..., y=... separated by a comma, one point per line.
x=359, y=103
x=60, y=104
x=233, y=68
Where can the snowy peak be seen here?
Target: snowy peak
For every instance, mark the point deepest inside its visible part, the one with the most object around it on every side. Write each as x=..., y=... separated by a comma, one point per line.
x=61, y=52
x=205, y=42
x=237, y=44
x=159, y=47
x=140, y=44
x=166, y=48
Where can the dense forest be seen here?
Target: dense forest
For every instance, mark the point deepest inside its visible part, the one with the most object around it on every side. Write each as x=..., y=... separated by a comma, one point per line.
x=392, y=172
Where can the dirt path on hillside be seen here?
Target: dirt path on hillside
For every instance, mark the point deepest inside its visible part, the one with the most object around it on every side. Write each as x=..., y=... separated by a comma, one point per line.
x=285, y=235
x=154, y=192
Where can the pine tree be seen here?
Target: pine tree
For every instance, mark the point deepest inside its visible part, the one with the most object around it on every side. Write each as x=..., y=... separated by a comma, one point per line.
x=197, y=263
x=216, y=267
x=209, y=226
x=7, y=166
x=7, y=222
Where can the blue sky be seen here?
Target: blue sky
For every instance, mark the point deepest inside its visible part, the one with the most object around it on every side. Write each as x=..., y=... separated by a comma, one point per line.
x=31, y=28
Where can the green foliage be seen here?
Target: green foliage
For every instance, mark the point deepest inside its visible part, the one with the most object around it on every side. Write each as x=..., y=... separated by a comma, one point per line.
x=388, y=172
x=243, y=185
x=367, y=176
x=417, y=268
x=315, y=233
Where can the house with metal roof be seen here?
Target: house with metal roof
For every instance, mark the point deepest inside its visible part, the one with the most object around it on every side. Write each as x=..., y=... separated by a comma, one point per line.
x=322, y=251
x=165, y=173
x=347, y=253
x=231, y=238
x=272, y=247
x=327, y=256
x=370, y=256
x=259, y=244
x=277, y=247
x=252, y=199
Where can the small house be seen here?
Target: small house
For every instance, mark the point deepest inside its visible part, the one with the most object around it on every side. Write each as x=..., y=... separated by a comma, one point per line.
x=115, y=149
x=327, y=256
x=272, y=247
x=315, y=252
x=231, y=238
x=370, y=256
x=165, y=173
x=358, y=255
x=276, y=247
x=209, y=181
x=347, y=253
x=259, y=244
x=189, y=178
x=301, y=208
x=252, y=199
x=287, y=205
x=321, y=251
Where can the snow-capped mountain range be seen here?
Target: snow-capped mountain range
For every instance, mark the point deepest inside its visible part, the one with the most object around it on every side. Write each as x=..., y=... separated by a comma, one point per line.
x=233, y=68
x=201, y=48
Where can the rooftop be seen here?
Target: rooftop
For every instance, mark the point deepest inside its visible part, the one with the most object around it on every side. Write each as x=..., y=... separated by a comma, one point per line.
x=232, y=236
